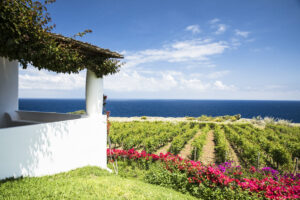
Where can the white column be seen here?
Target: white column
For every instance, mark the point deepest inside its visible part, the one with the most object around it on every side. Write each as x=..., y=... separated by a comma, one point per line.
x=93, y=94
x=9, y=72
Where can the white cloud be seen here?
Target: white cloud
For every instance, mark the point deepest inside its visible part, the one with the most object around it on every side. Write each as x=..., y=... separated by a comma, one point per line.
x=33, y=79
x=193, y=28
x=274, y=87
x=219, y=85
x=221, y=29
x=182, y=51
x=244, y=34
x=217, y=74
x=213, y=21
x=133, y=81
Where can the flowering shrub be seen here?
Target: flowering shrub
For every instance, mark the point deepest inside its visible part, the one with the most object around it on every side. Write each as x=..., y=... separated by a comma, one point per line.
x=265, y=182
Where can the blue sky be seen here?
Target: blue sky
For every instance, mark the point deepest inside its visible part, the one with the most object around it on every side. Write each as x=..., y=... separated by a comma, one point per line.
x=192, y=49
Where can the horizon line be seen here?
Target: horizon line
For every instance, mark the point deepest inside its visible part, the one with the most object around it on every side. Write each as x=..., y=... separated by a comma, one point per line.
x=164, y=99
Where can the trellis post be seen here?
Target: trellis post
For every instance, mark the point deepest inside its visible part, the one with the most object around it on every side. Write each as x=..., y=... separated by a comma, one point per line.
x=296, y=165
x=258, y=155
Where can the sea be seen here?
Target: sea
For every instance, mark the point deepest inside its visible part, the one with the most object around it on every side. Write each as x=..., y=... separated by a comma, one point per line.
x=289, y=110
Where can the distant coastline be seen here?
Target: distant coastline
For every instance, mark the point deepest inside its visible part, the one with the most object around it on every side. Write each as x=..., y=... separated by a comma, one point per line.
x=287, y=109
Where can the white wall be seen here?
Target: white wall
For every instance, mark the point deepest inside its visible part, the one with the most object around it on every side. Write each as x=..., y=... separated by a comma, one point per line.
x=8, y=88
x=45, y=116
x=50, y=148
x=22, y=118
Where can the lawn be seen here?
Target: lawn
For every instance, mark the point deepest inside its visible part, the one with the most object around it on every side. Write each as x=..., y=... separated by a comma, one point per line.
x=85, y=183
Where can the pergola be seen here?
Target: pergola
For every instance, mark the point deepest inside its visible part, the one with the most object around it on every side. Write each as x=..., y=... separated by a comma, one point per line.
x=39, y=143
x=94, y=84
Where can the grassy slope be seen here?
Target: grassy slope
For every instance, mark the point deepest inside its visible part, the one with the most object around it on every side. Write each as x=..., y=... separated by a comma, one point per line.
x=85, y=183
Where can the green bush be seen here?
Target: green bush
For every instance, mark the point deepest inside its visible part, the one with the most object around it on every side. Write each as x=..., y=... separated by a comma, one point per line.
x=238, y=116
x=190, y=118
x=204, y=118
x=159, y=175
x=280, y=155
x=25, y=36
x=219, y=118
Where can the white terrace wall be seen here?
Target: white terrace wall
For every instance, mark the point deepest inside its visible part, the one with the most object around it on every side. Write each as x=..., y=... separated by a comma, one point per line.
x=49, y=148
x=8, y=88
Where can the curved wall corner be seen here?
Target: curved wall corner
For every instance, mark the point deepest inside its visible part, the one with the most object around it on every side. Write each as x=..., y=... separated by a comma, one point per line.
x=50, y=148
x=9, y=72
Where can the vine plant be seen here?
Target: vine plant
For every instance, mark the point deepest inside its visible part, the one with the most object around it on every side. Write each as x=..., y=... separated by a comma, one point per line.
x=25, y=35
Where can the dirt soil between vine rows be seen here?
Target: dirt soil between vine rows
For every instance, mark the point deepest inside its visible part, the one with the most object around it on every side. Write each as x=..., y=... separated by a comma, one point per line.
x=187, y=149
x=208, y=151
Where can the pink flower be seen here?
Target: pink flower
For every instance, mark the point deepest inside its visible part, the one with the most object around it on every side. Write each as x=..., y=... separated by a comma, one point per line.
x=282, y=188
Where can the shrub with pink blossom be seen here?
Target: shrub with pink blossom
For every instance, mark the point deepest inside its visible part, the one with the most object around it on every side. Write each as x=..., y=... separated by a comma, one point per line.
x=196, y=178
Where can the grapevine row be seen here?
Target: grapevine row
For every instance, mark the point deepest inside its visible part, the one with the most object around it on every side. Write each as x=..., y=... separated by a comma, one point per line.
x=199, y=142
x=180, y=140
x=221, y=145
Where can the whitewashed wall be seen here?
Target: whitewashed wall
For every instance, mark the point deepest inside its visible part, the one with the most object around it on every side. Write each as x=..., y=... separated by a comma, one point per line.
x=8, y=88
x=49, y=148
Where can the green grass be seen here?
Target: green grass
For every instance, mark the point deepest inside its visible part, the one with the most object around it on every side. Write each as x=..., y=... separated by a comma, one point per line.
x=85, y=183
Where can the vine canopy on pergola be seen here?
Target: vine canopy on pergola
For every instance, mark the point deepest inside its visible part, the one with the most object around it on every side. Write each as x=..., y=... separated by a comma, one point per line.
x=25, y=36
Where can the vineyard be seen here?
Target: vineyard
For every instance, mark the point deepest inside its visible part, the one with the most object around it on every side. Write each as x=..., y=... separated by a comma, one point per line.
x=210, y=160
x=276, y=146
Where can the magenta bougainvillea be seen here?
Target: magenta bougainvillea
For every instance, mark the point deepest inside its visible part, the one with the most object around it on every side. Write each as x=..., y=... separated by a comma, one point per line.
x=266, y=182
